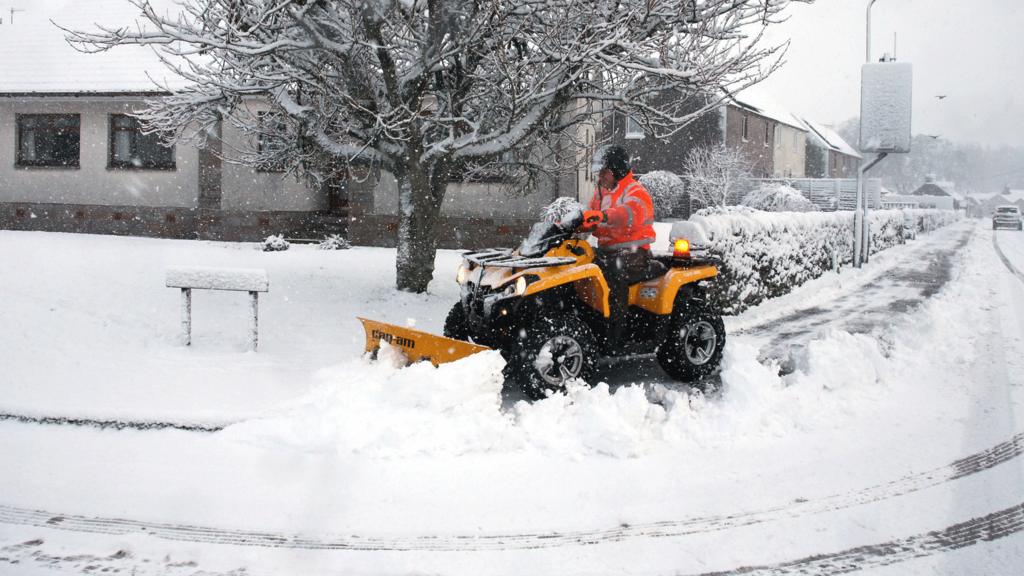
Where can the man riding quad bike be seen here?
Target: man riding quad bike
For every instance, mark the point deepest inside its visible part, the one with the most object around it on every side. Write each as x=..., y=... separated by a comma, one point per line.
x=555, y=306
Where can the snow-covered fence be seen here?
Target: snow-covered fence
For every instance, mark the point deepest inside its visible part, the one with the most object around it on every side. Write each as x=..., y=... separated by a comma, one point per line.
x=767, y=254
x=189, y=278
x=830, y=194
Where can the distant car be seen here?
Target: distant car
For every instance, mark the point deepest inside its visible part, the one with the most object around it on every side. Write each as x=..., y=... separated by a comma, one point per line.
x=1007, y=217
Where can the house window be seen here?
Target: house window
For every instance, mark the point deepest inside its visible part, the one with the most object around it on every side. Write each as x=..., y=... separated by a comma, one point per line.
x=131, y=149
x=767, y=133
x=746, y=127
x=778, y=138
x=796, y=142
x=270, y=142
x=634, y=131
x=51, y=140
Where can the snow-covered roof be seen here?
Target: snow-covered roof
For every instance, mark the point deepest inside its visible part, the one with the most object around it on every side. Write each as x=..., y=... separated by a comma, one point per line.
x=36, y=59
x=830, y=138
x=766, y=106
x=1014, y=195
x=1004, y=197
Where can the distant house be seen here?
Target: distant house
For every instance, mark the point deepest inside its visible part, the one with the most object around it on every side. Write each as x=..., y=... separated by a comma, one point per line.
x=987, y=203
x=773, y=141
x=934, y=189
x=828, y=155
x=79, y=161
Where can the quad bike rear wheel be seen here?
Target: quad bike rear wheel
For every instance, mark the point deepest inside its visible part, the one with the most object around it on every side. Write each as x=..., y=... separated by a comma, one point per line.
x=693, y=348
x=549, y=353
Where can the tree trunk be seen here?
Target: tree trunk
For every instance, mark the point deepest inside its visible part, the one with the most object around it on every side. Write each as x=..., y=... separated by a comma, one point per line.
x=419, y=207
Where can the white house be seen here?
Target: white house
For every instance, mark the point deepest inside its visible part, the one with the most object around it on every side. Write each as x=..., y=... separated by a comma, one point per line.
x=73, y=158
x=76, y=160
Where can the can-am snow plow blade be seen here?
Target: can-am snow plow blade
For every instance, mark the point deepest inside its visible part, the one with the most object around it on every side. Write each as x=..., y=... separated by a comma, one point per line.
x=417, y=345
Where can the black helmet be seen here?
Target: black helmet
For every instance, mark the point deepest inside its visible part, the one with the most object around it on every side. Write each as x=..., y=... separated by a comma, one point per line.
x=616, y=159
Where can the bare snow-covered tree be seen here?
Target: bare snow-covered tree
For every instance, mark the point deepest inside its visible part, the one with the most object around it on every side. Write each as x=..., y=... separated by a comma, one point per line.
x=426, y=88
x=716, y=175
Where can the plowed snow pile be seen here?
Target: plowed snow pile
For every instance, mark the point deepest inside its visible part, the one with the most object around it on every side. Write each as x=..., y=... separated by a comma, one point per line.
x=378, y=409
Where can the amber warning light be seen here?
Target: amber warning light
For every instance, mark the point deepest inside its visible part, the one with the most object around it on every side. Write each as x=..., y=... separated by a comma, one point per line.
x=681, y=248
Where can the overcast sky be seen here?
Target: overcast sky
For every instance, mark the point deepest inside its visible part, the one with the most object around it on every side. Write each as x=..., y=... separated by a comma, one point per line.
x=970, y=50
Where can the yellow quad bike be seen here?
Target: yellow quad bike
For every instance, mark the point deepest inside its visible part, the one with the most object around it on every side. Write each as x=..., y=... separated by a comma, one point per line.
x=545, y=307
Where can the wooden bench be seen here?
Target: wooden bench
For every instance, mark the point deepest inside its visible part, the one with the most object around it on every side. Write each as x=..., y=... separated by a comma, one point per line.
x=189, y=278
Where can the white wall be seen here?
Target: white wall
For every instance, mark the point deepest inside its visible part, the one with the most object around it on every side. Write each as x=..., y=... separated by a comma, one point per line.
x=468, y=200
x=245, y=188
x=92, y=182
x=790, y=162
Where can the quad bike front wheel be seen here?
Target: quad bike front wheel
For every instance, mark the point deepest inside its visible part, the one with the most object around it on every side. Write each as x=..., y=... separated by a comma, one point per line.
x=549, y=353
x=456, y=325
x=694, y=345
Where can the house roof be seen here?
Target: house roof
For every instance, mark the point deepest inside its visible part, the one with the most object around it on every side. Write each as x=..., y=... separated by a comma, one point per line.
x=1004, y=197
x=36, y=59
x=931, y=189
x=1014, y=195
x=829, y=138
x=766, y=106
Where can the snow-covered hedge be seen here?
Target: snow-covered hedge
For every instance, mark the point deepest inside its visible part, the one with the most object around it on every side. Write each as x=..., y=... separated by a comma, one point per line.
x=928, y=220
x=767, y=254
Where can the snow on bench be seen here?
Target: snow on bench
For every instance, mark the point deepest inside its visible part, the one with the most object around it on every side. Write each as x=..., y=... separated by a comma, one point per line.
x=188, y=278
x=207, y=278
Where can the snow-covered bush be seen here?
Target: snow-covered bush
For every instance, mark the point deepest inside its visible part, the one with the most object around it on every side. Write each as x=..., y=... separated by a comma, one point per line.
x=778, y=197
x=334, y=242
x=766, y=254
x=561, y=206
x=275, y=244
x=667, y=191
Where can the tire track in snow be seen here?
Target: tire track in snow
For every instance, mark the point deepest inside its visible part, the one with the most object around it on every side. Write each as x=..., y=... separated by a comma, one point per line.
x=973, y=464
x=1006, y=261
x=109, y=424
x=974, y=531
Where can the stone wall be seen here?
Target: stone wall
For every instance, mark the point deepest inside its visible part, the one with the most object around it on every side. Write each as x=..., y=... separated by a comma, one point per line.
x=170, y=222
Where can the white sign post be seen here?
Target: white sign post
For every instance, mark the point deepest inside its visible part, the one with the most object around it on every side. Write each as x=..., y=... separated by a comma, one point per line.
x=885, y=114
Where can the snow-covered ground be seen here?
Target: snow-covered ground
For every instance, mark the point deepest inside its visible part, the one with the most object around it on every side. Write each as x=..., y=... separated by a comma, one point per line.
x=329, y=463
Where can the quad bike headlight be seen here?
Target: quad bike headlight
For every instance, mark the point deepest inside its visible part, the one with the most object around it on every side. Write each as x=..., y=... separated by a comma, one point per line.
x=521, y=284
x=462, y=274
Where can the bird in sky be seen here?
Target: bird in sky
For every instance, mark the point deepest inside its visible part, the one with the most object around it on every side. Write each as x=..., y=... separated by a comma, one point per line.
x=934, y=136
x=940, y=96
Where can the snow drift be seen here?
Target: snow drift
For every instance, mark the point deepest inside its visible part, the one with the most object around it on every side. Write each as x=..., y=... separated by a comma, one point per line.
x=381, y=410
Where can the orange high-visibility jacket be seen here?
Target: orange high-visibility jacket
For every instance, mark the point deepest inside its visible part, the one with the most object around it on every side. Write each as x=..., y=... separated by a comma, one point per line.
x=630, y=213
